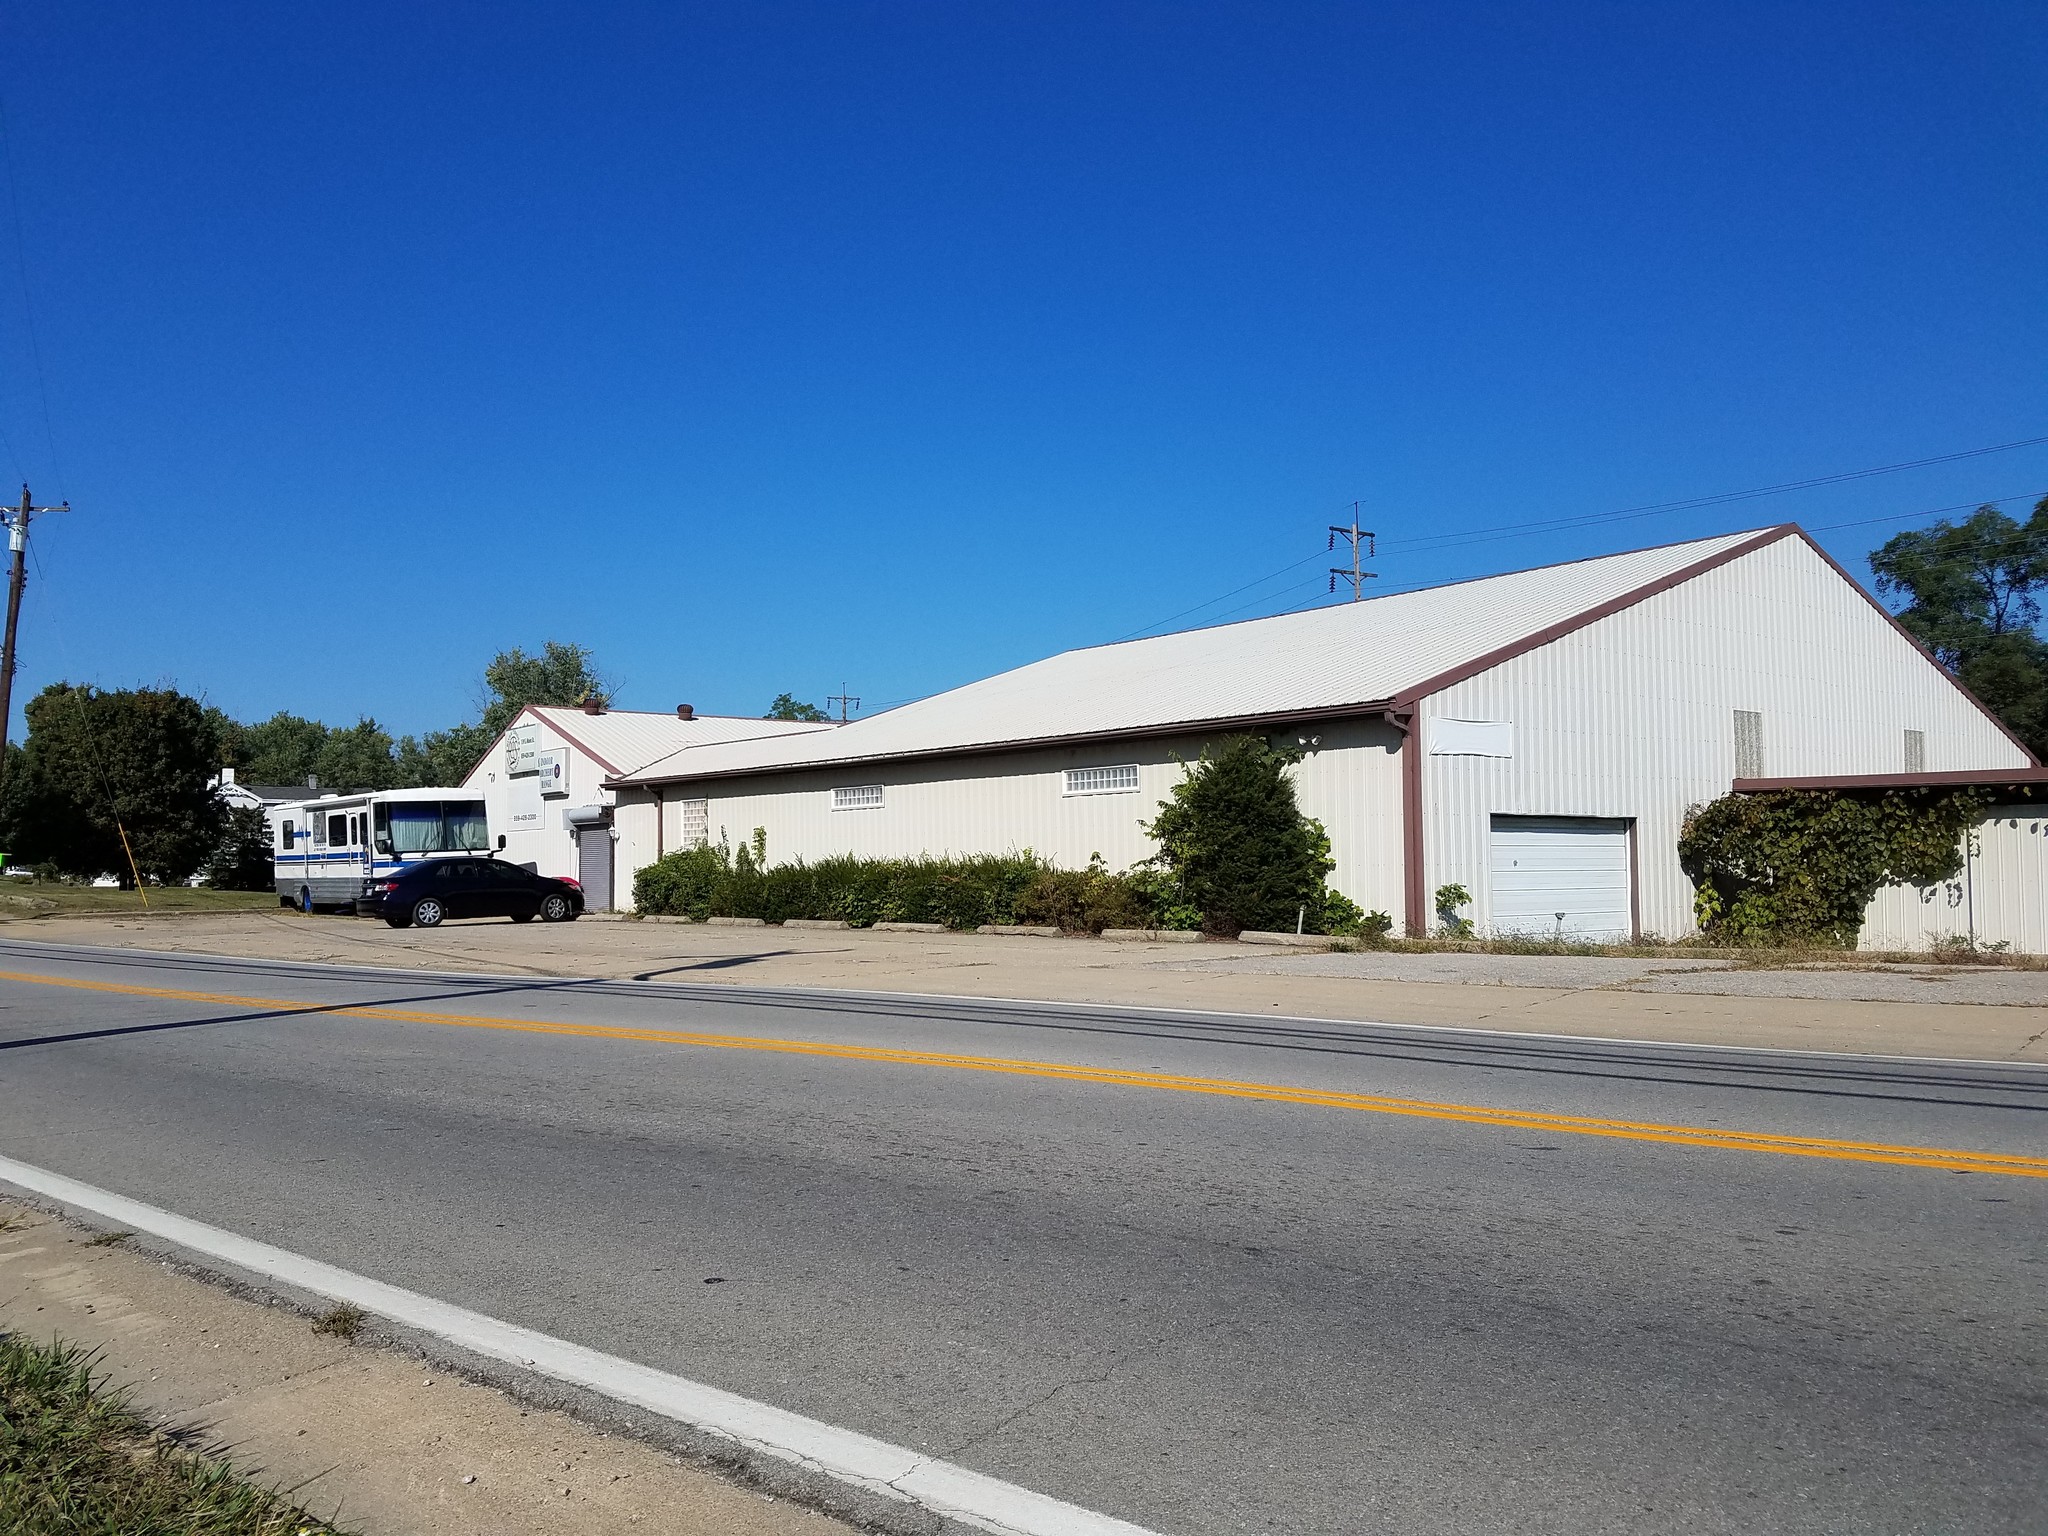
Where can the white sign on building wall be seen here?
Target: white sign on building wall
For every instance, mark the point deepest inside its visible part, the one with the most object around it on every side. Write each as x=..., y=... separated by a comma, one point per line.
x=522, y=749
x=554, y=772
x=522, y=804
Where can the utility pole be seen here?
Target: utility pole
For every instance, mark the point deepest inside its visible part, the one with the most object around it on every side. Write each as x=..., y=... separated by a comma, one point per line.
x=17, y=578
x=1361, y=551
x=842, y=699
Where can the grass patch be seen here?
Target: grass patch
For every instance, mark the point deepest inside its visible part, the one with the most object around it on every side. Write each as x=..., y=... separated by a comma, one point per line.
x=27, y=898
x=344, y=1320
x=108, y=1239
x=76, y=1460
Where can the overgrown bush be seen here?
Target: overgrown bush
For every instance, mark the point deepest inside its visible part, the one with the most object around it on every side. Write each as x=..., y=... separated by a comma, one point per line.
x=1798, y=867
x=1234, y=837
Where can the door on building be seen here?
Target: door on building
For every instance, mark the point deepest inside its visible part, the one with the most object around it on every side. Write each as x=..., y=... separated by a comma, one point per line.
x=1563, y=876
x=594, y=866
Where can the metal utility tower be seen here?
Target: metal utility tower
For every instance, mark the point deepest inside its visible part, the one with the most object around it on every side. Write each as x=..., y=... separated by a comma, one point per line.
x=18, y=519
x=1361, y=551
x=844, y=700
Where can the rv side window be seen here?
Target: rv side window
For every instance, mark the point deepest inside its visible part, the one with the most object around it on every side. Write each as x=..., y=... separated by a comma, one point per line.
x=337, y=831
x=316, y=828
x=289, y=833
x=355, y=831
x=381, y=819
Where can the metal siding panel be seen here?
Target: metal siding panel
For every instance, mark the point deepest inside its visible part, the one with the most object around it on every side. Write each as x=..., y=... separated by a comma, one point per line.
x=1002, y=803
x=2001, y=897
x=1633, y=716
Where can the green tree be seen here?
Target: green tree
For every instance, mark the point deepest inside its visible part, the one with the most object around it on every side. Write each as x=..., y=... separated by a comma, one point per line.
x=240, y=860
x=146, y=755
x=441, y=757
x=1971, y=592
x=356, y=757
x=1235, y=836
x=280, y=750
x=787, y=707
x=562, y=674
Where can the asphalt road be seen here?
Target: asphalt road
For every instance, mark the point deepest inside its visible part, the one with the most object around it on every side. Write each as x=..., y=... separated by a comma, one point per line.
x=1200, y=1311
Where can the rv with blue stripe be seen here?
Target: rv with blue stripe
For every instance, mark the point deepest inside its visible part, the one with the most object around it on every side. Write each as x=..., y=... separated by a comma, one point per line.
x=326, y=850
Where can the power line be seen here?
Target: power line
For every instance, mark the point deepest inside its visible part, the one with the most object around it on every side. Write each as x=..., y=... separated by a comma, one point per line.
x=1693, y=503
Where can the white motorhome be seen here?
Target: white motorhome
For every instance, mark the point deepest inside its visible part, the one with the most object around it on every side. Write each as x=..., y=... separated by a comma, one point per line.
x=326, y=850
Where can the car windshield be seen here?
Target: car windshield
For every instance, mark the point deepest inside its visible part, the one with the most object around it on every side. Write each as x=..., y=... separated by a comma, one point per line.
x=438, y=826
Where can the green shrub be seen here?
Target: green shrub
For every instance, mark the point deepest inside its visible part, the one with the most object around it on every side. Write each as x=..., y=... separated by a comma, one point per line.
x=1449, y=924
x=1235, y=838
x=1798, y=867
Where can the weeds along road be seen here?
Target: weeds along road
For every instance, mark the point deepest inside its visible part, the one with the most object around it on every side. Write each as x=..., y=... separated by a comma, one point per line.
x=1207, y=1274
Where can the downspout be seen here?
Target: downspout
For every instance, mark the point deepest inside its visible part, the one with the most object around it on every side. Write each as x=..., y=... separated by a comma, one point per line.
x=1404, y=718
x=657, y=821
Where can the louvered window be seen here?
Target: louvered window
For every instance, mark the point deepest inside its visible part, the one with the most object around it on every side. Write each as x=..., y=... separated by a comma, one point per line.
x=1120, y=780
x=857, y=797
x=1916, y=751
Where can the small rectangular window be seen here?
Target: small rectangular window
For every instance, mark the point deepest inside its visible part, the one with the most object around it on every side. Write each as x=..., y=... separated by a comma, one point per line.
x=1120, y=780
x=1749, y=744
x=695, y=818
x=290, y=833
x=1916, y=751
x=857, y=797
x=337, y=831
x=316, y=828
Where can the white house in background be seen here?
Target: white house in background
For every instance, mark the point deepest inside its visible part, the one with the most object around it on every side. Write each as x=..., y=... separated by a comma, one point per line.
x=259, y=797
x=1535, y=737
x=543, y=780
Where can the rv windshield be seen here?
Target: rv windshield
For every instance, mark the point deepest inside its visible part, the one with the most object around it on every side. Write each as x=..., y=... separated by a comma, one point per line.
x=437, y=826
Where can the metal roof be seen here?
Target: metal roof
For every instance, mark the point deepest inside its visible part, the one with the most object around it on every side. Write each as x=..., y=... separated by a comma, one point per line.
x=1319, y=661
x=623, y=740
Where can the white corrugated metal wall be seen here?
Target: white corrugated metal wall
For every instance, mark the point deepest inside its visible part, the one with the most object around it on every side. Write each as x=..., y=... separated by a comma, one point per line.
x=1633, y=716
x=996, y=803
x=2001, y=896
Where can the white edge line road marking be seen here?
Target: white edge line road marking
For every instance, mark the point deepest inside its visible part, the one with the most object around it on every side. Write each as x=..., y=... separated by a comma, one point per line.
x=876, y=1465
x=763, y=996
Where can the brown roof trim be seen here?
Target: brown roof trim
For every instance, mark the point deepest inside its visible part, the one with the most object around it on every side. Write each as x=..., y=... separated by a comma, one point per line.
x=1913, y=640
x=1598, y=611
x=1030, y=744
x=1954, y=778
x=569, y=736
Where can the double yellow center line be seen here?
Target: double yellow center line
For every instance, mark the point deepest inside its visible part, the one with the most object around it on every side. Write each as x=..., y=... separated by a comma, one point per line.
x=1954, y=1159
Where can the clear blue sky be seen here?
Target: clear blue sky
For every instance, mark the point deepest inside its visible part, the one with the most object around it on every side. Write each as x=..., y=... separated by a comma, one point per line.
x=769, y=347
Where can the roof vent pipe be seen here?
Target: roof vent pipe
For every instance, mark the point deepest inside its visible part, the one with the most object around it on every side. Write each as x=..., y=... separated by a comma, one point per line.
x=312, y=781
x=593, y=705
x=686, y=711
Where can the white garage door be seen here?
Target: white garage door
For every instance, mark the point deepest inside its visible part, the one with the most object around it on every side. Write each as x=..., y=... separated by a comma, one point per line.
x=1574, y=865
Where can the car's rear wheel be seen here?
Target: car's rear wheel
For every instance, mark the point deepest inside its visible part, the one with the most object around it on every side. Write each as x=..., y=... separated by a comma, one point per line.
x=555, y=909
x=428, y=912
x=522, y=917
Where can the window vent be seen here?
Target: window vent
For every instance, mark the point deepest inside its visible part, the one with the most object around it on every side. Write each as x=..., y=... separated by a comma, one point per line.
x=1916, y=751
x=857, y=797
x=695, y=830
x=1749, y=744
x=1120, y=780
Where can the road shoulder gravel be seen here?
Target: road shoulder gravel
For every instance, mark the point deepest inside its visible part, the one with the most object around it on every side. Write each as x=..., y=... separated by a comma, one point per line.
x=379, y=1442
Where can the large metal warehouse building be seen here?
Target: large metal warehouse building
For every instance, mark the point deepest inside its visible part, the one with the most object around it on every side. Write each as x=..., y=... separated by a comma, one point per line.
x=1534, y=737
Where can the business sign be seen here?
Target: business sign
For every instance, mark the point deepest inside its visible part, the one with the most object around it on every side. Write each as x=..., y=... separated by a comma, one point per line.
x=522, y=749
x=554, y=772
x=522, y=804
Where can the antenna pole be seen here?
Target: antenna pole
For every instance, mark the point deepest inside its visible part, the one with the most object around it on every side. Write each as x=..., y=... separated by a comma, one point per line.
x=1361, y=551
x=843, y=700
